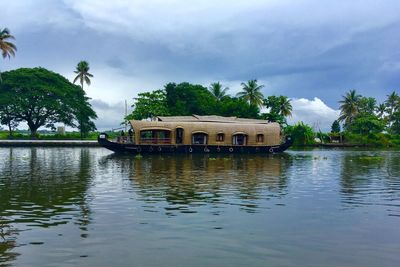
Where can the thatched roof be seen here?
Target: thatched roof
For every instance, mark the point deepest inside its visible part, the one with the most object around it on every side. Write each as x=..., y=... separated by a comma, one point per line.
x=210, y=118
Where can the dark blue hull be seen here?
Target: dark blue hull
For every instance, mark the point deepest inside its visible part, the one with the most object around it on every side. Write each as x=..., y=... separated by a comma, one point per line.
x=158, y=149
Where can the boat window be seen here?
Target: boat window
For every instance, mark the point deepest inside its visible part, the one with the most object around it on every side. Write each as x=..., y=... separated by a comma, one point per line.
x=179, y=135
x=199, y=139
x=260, y=138
x=155, y=137
x=239, y=140
x=220, y=137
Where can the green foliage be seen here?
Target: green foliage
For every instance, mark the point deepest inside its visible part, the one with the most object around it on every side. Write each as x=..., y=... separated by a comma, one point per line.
x=349, y=107
x=366, y=124
x=187, y=99
x=83, y=75
x=50, y=136
x=274, y=117
x=232, y=106
x=395, y=120
x=301, y=133
x=373, y=139
x=42, y=98
x=149, y=105
x=279, y=105
x=367, y=105
x=335, y=128
x=217, y=91
x=251, y=92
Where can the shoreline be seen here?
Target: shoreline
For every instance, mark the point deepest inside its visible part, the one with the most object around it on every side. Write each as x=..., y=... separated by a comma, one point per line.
x=49, y=143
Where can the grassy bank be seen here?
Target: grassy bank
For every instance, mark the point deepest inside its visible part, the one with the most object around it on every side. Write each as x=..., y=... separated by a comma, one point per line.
x=4, y=135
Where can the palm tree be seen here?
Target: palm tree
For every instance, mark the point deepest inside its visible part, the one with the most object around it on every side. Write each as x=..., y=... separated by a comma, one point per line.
x=279, y=105
x=349, y=106
x=392, y=103
x=381, y=109
x=82, y=69
x=7, y=48
x=252, y=93
x=217, y=91
x=285, y=107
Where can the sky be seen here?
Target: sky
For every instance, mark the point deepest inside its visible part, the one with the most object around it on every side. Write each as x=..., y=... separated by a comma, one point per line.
x=312, y=51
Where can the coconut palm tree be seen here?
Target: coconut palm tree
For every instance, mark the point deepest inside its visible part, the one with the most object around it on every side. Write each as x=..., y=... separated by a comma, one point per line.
x=349, y=107
x=7, y=48
x=381, y=109
x=82, y=69
x=392, y=102
x=285, y=107
x=252, y=93
x=279, y=105
x=217, y=91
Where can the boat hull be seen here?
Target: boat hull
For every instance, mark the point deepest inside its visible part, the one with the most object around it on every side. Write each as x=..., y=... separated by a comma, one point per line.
x=167, y=148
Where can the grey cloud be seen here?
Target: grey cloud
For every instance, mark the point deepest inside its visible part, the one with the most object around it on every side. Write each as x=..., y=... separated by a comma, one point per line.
x=302, y=49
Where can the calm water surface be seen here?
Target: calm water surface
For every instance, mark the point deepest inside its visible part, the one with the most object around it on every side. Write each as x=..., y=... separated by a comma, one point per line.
x=88, y=207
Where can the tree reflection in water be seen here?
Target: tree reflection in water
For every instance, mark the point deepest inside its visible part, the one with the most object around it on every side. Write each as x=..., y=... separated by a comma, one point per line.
x=41, y=188
x=187, y=182
x=370, y=178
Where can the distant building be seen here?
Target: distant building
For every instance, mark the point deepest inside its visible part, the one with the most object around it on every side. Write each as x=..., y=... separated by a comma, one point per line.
x=61, y=130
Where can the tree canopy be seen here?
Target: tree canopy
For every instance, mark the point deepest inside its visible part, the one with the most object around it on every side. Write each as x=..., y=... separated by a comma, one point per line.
x=42, y=98
x=251, y=92
x=188, y=99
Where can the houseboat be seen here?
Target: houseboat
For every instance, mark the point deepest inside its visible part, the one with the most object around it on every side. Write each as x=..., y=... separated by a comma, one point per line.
x=199, y=134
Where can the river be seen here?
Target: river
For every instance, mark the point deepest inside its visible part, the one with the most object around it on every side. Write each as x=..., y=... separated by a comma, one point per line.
x=89, y=207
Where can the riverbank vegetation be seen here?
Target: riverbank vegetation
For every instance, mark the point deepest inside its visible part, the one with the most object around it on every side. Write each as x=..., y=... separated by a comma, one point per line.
x=362, y=120
x=41, y=98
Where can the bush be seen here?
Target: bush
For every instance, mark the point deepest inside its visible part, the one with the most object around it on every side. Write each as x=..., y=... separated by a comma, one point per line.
x=372, y=139
x=301, y=133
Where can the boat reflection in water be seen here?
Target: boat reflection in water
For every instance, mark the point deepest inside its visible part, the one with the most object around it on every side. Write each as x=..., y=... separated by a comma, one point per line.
x=187, y=182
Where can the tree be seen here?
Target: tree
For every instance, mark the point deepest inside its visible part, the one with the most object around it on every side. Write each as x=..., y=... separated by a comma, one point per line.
x=85, y=123
x=279, y=105
x=217, y=91
x=149, y=105
x=395, y=127
x=301, y=133
x=366, y=124
x=367, y=105
x=188, y=99
x=349, y=107
x=335, y=127
x=7, y=118
x=252, y=93
x=393, y=108
x=43, y=98
x=7, y=48
x=236, y=107
x=381, y=109
x=392, y=103
x=82, y=69
x=84, y=115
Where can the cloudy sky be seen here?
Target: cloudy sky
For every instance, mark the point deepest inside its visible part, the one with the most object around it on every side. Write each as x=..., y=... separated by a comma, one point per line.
x=312, y=51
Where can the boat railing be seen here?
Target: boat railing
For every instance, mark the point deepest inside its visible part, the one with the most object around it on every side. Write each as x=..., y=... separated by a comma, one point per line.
x=124, y=139
x=155, y=140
